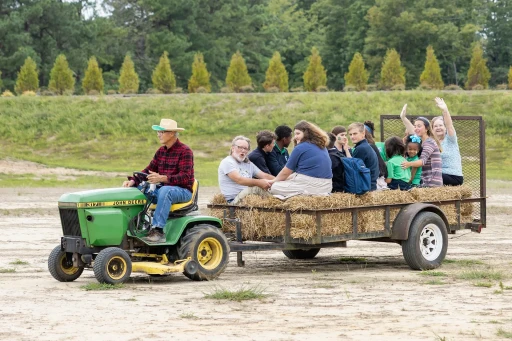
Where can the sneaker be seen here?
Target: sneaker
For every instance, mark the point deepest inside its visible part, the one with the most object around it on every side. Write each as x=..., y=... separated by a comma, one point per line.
x=155, y=236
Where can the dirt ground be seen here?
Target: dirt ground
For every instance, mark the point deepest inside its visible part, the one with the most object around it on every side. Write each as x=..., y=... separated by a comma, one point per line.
x=362, y=292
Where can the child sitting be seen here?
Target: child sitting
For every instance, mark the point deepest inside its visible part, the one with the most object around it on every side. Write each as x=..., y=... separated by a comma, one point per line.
x=397, y=178
x=338, y=170
x=362, y=150
x=412, y=153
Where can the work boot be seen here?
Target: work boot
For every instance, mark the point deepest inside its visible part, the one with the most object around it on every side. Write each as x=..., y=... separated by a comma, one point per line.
x=155, y=235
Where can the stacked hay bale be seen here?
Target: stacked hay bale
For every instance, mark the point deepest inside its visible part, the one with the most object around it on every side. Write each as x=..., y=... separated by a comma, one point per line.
x=258, y=224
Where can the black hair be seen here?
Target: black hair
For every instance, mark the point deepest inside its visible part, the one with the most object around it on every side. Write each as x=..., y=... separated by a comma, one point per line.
x=409, y=139
x=370, y=125
x=332, y=140
x=394, y=146
x=283, y=132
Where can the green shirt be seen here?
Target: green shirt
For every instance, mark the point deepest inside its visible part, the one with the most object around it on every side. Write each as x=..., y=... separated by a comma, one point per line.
x=382, y=150
x=395, y=170
x=417, y=176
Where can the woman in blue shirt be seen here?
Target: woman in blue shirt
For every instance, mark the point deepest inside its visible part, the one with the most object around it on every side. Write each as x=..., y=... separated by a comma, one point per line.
x=308, y=170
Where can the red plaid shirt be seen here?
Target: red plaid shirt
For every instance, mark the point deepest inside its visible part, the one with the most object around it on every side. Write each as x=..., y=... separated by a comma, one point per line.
x=176, y=162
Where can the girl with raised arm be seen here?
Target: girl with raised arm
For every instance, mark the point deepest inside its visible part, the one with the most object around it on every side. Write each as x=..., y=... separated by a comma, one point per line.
x=430, y=159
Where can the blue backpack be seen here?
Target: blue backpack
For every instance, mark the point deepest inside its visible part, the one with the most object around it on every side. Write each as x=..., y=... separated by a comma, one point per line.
x=357, y=176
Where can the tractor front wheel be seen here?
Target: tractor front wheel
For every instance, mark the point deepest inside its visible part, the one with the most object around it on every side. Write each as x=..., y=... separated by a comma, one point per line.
x=207, y=245
x=112, y=266
x=61, y=266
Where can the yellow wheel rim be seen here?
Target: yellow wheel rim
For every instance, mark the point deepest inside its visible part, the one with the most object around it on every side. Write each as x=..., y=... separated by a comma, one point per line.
x=210, y=253
x=67, y=267
x=116, y=267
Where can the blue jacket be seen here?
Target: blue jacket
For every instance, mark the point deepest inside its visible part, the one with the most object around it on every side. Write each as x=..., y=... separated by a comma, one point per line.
x=259, y=158
x=363, y=150
x=276, y=160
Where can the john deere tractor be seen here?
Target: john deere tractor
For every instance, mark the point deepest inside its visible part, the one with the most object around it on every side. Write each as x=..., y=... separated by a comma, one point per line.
x=105, y=229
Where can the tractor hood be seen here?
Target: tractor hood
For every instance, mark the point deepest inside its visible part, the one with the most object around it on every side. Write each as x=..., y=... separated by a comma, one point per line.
x=109, y=197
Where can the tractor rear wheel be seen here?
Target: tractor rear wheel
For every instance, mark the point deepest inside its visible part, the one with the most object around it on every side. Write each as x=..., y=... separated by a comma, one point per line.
x=207, y=245
x=112, y=266
x=301, y=253
x=61, y=266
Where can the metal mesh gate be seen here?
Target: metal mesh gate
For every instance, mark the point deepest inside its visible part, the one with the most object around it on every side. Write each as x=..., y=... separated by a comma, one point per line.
x=471, y=138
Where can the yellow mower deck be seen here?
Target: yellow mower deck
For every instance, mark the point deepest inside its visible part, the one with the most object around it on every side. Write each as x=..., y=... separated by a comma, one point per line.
x=162, y=267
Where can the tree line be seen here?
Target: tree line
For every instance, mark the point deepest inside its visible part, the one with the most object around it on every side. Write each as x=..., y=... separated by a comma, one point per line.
x=346, y=33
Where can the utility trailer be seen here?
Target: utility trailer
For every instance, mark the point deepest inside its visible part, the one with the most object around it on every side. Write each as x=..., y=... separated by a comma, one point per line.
x=421, y=228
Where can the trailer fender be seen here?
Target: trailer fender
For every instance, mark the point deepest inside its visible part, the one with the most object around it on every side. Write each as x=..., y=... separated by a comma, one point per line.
x=403, y=220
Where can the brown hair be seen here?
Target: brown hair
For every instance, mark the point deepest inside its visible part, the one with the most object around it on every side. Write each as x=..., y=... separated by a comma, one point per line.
x=265, y=137
x=338, y=130
x=332, y=140
x=313, y=134
x=429, y=132
x=394, y=146
x=369, y=137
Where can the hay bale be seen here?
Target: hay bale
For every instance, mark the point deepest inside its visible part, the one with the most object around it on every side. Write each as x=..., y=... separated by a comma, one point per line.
x=218, y=199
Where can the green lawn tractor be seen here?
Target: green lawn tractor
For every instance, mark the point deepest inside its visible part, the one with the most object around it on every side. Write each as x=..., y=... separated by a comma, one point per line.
x=105, y=229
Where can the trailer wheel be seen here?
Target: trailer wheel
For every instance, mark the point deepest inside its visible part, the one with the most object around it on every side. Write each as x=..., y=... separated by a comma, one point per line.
x=61, y=268
x=427, y=244
x=112, y=266
x=206, y=245
x=301, y=253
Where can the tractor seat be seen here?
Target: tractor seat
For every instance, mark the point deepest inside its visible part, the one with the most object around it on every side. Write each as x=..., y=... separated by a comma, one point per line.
x=183, y=208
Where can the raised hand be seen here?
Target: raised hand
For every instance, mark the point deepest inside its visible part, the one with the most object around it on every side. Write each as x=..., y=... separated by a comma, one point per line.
x=404, y=111
x=441, y=104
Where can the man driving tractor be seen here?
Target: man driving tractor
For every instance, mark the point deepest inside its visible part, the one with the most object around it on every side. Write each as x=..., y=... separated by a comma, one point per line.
x=173, y=168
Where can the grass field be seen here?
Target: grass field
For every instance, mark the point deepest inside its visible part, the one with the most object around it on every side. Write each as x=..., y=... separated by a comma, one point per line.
x=114, y=133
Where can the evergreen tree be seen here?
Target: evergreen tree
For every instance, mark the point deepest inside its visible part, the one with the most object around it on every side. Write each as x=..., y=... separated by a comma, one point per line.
x=276, y=75
x=392, y=72
x=315, y=74
x=431, y=75
x=237, y=75
x=510, y=78
x=478, y=72
x=27, y=77
x=163, y=78
x=128, y=78
x=357, y=75
x=1, y=82
x=200, y=75
x=93, y=79
x=61, y=76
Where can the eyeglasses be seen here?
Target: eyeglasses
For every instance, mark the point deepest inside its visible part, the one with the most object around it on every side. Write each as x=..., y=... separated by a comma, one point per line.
x=242, y=148
x=161, y=132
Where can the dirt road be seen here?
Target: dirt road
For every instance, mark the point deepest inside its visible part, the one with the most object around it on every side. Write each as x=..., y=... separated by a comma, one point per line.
x=363, y=292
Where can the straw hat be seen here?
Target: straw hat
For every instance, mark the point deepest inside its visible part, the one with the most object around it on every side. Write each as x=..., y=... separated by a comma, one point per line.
x=167, y=125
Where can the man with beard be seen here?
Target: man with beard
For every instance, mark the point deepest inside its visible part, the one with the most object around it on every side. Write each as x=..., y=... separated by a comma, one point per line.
x=239, y=177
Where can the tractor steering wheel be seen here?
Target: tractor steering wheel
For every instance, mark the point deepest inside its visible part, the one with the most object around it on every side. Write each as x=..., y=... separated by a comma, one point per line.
x=141, y=176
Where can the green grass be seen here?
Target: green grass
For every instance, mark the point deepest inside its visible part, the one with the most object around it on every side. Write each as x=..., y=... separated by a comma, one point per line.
x=463, y=262
x=7, y=271
x=431, y=273
x=239, y=295
x=114, y=134
x=435, y=282
x=504, y=333
x=19, y=262
x=483, y=284
x=191, y=316
x=491, y=275
x=101, y=286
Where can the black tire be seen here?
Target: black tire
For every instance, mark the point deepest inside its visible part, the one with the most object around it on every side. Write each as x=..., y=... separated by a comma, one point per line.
x=61, y=268
x=112, y=266
x=301, y=253
x=427, y=244
x=207, y=245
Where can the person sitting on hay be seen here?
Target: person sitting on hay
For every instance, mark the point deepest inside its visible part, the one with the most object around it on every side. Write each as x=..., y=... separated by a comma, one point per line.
x=236, y=173
x=308, y=170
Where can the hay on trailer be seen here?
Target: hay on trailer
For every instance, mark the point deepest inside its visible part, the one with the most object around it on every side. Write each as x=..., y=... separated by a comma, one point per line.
x=258, y=224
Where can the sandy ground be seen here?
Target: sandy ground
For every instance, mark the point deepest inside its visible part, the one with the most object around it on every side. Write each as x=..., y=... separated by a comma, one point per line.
x=328, y=298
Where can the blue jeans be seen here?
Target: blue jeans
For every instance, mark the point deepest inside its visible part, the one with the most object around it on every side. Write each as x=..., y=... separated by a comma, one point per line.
x=164, y=197
x=399, y=184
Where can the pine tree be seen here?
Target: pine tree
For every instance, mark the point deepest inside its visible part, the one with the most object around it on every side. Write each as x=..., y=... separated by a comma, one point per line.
x=128, y=78
x=27, y=77
x=61, y=76
x=478, y=73
x=163, y=78
x=510, y=79
x=200, y=75
x=392, y=73
x=93, y=79
x=237, y=76
x=276, y=75
x=357, y=75
x=431, y=75
x=1, y=82
x=315, y=75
